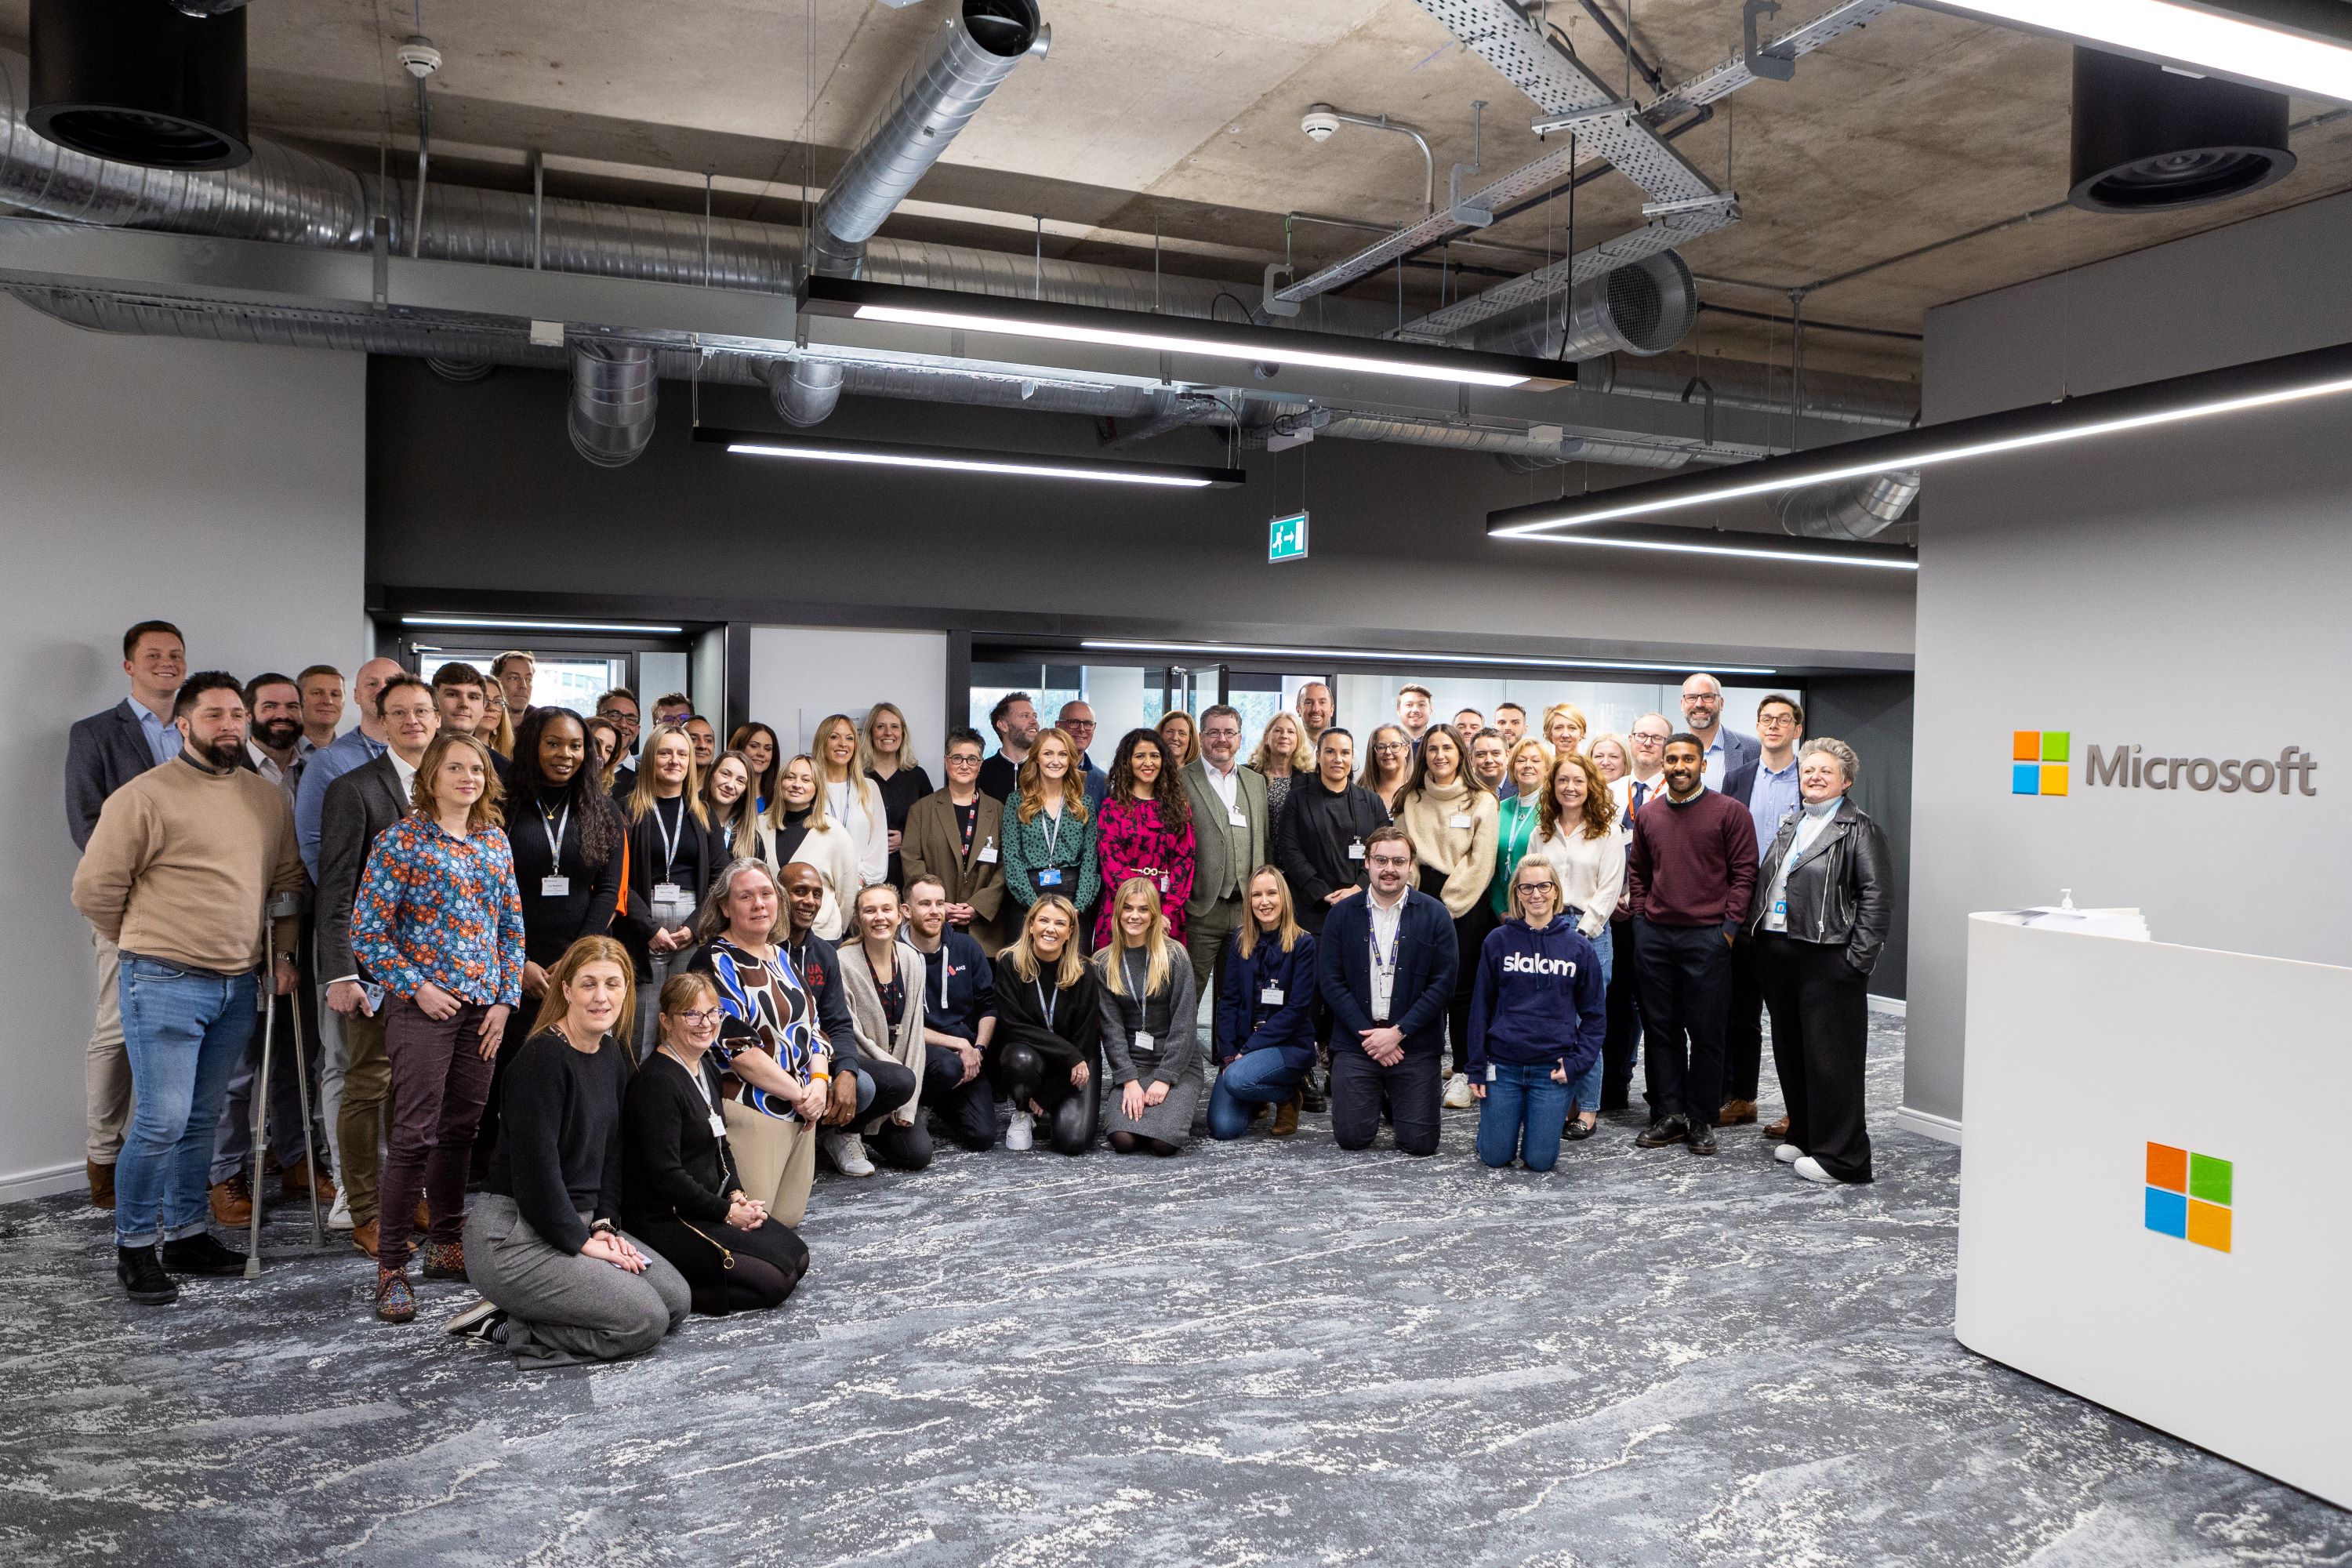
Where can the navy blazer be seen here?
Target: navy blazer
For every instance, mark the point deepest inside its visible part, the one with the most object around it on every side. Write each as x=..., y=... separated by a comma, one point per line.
x=1427, y=961
x=1246, y=1022
x=103, y=752
x=358, y=805
x=1740, y=754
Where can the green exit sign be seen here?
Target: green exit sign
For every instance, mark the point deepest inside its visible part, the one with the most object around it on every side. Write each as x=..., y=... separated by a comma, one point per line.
x=1285, y=538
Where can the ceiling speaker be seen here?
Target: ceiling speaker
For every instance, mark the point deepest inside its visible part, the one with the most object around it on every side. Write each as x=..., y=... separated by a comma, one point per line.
x=138, y=81
x=2153, y=139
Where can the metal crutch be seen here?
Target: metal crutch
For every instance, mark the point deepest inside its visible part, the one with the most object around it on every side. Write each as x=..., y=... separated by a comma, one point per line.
x=285, y=906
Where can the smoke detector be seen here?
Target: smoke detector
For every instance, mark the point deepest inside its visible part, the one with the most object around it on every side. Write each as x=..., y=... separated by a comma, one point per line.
x=418, y=56
x=1320, y=122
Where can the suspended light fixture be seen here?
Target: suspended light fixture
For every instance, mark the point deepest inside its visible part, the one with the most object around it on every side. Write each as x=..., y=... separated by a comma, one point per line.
x=797, y=447
x=1401, y=656
x=2300, y=45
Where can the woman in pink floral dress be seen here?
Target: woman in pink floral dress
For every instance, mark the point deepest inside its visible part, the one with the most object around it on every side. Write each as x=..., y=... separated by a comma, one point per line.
x=1145, y=829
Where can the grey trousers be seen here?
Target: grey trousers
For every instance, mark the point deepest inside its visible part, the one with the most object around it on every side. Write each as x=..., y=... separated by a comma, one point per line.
x=106, y=1061
x=563, y=1309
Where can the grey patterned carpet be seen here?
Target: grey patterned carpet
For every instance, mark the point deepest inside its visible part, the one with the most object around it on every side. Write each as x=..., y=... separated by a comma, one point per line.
x=1253, y=1353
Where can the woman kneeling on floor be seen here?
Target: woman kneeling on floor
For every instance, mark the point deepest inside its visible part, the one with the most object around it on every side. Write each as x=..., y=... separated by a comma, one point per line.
x=1049, y=1031
x=1538, y=1013
x=561, y=1282
x=1151, y=1033
x=1265, y=1014
x=680, y=1192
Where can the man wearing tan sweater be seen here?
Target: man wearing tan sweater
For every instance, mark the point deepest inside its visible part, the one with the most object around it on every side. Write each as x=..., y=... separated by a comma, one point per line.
x=178, y=874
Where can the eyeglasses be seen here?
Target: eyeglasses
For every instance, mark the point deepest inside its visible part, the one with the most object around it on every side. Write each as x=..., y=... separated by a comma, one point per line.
x=1529, y=890
x=1389, y=746
x=701, y=1018
x=1075, y=725
x=1641, y=739
x=962, y=760
x=1393, y=860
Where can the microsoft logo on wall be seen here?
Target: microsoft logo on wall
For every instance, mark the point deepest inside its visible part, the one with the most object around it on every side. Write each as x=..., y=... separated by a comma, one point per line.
x=2042, y=763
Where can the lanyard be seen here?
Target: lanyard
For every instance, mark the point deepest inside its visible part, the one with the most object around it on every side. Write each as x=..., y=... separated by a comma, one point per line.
x=669, y=838
x=701, y=1088
x=947, y=967
x=1051, y=830
x=1396, y=940
x=555, y=837
x=1046, y=1004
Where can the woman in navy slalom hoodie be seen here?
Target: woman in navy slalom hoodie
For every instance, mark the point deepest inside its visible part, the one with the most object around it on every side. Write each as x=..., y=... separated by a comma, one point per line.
x=1266, y=1013
x=1538, y=1014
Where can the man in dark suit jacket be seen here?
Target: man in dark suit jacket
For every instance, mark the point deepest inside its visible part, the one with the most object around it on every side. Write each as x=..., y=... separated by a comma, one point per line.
x=358, y=807
x=1385, y=965
x=1726, y=750
x=103, y=752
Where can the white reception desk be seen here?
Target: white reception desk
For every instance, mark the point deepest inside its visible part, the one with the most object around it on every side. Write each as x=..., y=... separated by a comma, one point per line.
x=2156, y=1197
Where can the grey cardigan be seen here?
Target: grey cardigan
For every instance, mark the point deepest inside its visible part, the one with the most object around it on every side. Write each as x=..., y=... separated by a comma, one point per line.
x=1179, y=1054
x=904, y=1046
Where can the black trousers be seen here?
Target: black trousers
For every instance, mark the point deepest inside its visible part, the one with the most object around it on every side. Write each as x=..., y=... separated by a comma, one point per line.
x=767, y=1262
x=1743, y=1033
x=1411, y=1091
x=1470, y=934
x=1685, y=996
x=1820, y=1028
x=1043, y=1074
x=1623, y=1045
x=900, y=1148
x=967, y=1111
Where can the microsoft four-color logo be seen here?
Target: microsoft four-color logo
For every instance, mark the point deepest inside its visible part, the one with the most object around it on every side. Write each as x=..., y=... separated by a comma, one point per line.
x=2040, y=758
x=2188, y=1195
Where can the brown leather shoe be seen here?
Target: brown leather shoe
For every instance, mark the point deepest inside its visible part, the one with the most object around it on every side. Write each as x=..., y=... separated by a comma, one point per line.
x=423, y=1223
x=233, y=1202
x=1736, y=1113
x=1777, y=1132
x=296, y=1180
x=363, y=1239
x=101, y=1185
x=1286, y=1119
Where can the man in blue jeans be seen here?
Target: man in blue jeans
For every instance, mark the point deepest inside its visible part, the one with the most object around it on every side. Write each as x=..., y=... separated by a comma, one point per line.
x=184, y=861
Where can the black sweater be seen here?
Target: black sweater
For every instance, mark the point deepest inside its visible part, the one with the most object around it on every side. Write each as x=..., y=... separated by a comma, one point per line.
x=549, y=925
x=1311, y=842
x=702, y=856
x=674, y=1167
x=559, y=1153
x=1077, y=1012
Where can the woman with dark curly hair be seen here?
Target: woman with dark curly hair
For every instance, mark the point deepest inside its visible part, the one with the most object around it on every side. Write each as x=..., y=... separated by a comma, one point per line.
x=1145, y=829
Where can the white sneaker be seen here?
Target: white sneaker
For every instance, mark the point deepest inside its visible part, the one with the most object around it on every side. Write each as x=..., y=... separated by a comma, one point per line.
x=1457, y=1092
x=1019, y=1137
x=847, y=1152
x=340, y=1216
x=1788, y=1153
x=1811, y=1169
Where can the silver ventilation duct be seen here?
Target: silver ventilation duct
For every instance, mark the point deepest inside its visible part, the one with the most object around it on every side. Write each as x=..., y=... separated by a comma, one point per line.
x=615, y=394
x=1853, y=509
x=1644, y=308
x=1754, y=388
x=1508, y=443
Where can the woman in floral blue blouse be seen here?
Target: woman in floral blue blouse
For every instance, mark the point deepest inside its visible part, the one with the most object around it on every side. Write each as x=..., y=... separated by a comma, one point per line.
x=438, y=919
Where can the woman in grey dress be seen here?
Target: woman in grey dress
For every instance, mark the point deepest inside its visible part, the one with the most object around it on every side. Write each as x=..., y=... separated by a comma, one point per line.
x=1150, y=1032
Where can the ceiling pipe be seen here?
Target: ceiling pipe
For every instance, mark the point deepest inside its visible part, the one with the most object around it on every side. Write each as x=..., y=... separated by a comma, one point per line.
x=1645, y=307
x=1754, y=388
x=1509, y=443
x=1853, y=509
x=615, y=396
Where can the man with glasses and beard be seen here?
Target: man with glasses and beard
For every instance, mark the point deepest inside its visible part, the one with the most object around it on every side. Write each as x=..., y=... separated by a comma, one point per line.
x=178, y=874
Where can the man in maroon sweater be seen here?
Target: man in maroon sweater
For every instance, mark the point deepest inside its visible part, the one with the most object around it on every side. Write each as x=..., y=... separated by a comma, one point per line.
x=1688, y=878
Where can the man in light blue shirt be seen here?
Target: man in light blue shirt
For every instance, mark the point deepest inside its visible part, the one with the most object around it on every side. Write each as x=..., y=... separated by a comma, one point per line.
x=1772, y=795
x=353, y=749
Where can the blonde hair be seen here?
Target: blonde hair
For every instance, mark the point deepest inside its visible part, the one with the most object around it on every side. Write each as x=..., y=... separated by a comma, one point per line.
x=588, y=950
x=1511, y=762
x=1033, y=782
x=1551, y=875
x=859, y=759
x=1575, y=716
x=1302, y=760
x=502, y=738
x=484, y=812
x=1287, y=928
x=1156, y=945
x=641, y=794
x=1192, y=740
x=1022, y=956
x=680, y=991
x=818, y=821
x=865, y=752
x=1610, y=738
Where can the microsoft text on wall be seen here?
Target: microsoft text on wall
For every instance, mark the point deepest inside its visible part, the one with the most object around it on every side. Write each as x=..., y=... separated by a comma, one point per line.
x=2042, y=763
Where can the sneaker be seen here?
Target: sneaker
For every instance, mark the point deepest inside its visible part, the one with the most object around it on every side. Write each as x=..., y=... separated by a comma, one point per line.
x=445, y=1260
x=479, y=1321
x=395, y=1298
x=1665, y=1130
x=143, y=1277
x=1811, y=1169
x=1788, y=1153
x=233, y=1203
x=1021, y=1136
x=1701, y=1139
x=1457, y=1092
x=340, y=1216
x=847, y=1152
x=200, y=1254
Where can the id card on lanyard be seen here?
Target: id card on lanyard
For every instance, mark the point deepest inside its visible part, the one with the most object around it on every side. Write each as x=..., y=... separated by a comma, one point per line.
x=557, y=885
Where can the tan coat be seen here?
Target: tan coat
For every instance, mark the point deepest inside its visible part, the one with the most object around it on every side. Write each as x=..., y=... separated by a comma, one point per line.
x=1462, y=854
x=933, y=846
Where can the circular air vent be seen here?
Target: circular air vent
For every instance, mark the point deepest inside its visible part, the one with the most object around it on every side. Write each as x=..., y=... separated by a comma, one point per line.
x=135, y=81
x=2152, y=139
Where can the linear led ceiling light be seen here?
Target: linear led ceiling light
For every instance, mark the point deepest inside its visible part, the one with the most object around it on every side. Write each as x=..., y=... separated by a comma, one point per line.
x=2206, y=394
x=484, y=624
x=2301, y=45
x=1229, y=649
x=961, y=460
x=1739, y=546
x=1171, y=335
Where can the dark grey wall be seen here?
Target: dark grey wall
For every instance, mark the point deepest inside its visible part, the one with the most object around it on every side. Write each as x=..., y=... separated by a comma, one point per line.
x=1872, y=713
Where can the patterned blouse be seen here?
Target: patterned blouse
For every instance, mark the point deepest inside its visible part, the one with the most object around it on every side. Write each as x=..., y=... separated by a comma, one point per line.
x=1048, y=843
x=768, y=1009
x=435, y=910
x=1131, y=841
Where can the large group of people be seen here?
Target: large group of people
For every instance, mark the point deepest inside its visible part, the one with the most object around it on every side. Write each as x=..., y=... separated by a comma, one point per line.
x=624, y=984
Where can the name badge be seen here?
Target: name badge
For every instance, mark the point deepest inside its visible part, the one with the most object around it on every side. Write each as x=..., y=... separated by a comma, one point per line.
x=555, y=886
x=1271, y=995
x=1780, y=908
x=987, y=856
x=1356, y=850
x=1163, y=881
x=667, y=892
x=1050, y=876
x=1237, y=819
x=1459, y=819
x=1142, y=1041
x=717, y=1125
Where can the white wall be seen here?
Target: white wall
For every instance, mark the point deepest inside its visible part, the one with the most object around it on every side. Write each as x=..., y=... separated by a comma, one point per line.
x=801, y=673
x=215, y=486
x=2177, y=589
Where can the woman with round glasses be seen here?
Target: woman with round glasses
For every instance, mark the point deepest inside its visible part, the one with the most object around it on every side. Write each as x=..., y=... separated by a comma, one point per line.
x=1537, y=1016
x=1388, y=765
x=680, y=1193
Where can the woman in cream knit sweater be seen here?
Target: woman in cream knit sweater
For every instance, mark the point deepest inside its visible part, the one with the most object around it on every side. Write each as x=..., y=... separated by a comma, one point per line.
x=1451, y=821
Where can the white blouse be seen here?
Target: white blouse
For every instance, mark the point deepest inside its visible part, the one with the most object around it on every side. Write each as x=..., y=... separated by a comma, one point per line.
x=856, y=804
x=1593, y=870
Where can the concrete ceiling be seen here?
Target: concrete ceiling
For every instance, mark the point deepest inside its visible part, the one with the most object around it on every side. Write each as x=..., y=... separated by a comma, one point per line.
x=1181, y=120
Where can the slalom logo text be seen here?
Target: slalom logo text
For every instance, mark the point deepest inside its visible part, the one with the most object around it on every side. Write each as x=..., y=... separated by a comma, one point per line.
x=1531, y=963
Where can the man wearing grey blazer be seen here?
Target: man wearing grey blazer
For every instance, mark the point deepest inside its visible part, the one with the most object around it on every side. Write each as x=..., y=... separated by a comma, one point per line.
x=1231, y=827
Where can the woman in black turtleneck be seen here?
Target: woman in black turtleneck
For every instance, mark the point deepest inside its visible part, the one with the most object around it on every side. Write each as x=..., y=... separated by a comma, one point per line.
x=802, y=831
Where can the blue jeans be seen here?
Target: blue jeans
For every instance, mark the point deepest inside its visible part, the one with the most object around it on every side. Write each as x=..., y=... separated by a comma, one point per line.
x=1522, y=1114
x=1584, y=1094
x=185, y=1032
x=1254, y=1078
